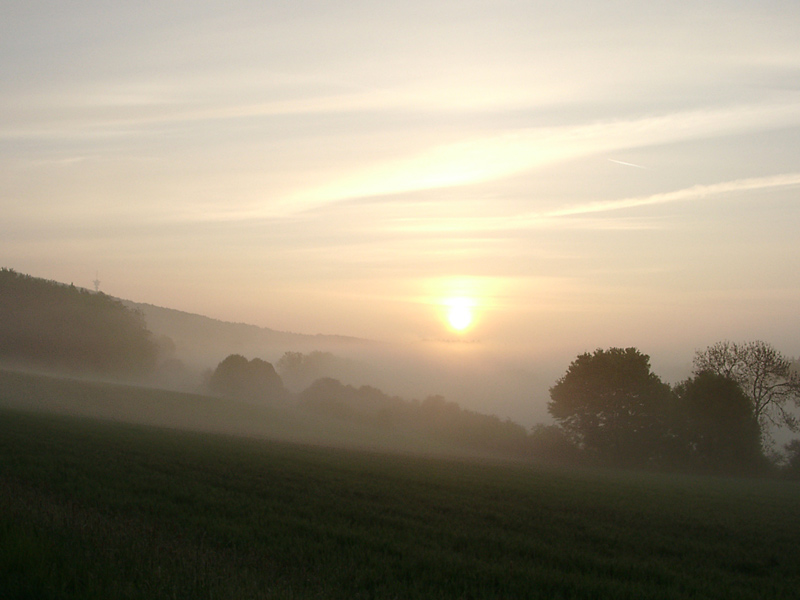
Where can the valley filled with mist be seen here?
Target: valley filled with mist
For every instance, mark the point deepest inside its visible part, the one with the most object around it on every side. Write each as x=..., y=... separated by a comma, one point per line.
x=476, y=377
x=147, y=452
x=159, y=366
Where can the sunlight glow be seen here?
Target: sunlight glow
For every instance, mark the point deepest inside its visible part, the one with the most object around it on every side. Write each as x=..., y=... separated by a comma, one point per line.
x=459, y=313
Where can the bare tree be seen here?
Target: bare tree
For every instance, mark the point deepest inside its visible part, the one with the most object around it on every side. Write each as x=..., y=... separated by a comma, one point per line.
x=763, y=373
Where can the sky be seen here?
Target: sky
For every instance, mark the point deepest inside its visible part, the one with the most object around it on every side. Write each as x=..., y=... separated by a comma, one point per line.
x=553, y=176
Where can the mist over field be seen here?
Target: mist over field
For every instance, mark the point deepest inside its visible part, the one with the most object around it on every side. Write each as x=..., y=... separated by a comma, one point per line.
x=452, y=199
x=433, y=394
x=512, y=382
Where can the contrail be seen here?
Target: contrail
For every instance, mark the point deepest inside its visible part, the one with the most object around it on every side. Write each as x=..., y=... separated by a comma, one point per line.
x=627, y=164
x=547, y=218
x=692, y=193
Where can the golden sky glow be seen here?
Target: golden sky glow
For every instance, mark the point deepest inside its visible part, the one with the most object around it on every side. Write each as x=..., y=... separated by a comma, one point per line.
x=581, y=175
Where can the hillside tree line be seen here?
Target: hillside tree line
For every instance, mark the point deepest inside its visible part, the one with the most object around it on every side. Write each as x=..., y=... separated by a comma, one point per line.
x=45, y=324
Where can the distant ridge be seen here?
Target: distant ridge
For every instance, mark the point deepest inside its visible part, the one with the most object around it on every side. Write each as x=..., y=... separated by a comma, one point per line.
x=204, y=340
x=160, y=313
x=194, y=339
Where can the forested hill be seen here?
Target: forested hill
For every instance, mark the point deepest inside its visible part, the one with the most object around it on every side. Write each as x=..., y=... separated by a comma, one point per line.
x=51, y=325
x=205, y=341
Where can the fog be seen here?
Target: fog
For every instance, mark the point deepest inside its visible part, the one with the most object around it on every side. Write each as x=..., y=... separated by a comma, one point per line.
x=511, y=381
x=451, y=394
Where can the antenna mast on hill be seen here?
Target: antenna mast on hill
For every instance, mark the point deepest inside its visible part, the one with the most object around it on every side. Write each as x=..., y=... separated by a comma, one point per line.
x=96, y=282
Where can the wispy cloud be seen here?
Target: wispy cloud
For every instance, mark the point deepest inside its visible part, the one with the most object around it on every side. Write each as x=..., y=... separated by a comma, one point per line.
x=490, y=158
x=562, y=218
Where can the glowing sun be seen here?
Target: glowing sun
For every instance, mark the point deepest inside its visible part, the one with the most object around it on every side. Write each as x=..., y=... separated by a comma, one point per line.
x=459, y=313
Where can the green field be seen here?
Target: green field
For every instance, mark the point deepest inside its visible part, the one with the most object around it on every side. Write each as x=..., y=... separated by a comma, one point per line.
x=97, y=509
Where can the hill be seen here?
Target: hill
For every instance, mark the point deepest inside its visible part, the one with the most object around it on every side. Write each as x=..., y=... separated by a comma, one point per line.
x=50, y=325
x=203, y=341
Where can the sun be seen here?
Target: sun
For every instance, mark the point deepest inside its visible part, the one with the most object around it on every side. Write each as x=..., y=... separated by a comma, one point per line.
x=459, y=317
x=459, y=313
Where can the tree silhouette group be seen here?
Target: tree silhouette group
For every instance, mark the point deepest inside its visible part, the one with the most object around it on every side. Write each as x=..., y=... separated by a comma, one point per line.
x=614, y=409
x=609, y=408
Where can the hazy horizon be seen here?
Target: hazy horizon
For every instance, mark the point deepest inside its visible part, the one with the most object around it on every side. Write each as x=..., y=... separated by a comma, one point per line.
x=494, y=183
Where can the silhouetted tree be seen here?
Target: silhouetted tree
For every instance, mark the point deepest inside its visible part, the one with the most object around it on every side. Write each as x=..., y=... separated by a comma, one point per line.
x=765, y=376
x=300, y=370
x=717, y=423
x=330, y=397
x=472, y=429
x=611, y=405
x=364, y=404
x=434, y=416
x=237, y=377
x=552, y=444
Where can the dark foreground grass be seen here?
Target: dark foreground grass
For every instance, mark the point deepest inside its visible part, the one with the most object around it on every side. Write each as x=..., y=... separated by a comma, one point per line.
x=92, y=509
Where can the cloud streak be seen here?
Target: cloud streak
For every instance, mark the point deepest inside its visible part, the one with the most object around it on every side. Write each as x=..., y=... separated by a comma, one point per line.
x=561, y=217
x=696, y=192
x=490, y=158
x=626, y=164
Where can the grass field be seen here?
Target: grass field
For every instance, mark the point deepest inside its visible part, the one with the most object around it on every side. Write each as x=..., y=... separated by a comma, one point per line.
x=98, y=509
